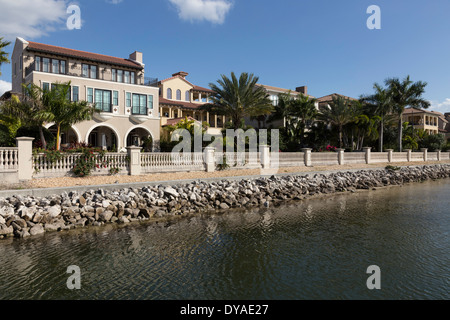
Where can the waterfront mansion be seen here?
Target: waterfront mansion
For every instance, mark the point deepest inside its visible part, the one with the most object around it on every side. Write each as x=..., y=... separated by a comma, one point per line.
x=129, y=101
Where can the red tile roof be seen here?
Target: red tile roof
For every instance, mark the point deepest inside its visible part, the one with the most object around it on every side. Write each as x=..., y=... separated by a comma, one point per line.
x=197, y=88
x=180, y=104
x=39, y=47
x=331, y=96
x=171, y=122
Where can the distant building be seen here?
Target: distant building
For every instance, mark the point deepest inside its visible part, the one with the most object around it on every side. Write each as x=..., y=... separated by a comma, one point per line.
x=327, y=100
x=422, y=119
x=179, y=98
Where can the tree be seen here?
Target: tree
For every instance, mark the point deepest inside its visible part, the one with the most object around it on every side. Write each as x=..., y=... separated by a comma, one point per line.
x=304, y=109
x=3, y=54
x=403, y=94
x=33, y=110
x=239, y=98
x=338, y=113
x=382, y=104
x=66, y=113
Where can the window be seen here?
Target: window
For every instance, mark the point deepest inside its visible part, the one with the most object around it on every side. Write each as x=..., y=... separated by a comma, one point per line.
x=119, y=76
x=169, y=93
x=115, y=98
x=94, y=72
x=38, y=64
x=127, y=77
x=75, y=94
x=188, y=96
x=128, y=100
x=150, y=102
x=90, y=95
x=114, y=75
x=55, y=66
x=139, y=104
x=45, y=86
x=103, y=100
x=62, y=67
x=178, y=94
x=274, y=99
x=133, y=78
x=85, y=71
x=46, y=65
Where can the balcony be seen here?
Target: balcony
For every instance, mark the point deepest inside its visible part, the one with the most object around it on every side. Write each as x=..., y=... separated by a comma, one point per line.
x=151, y=82
x=105, y=112
x=30, y=69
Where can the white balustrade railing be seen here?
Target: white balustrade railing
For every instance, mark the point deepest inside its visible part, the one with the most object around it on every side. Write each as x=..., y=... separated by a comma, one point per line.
x=9, y=159
x=171, y=162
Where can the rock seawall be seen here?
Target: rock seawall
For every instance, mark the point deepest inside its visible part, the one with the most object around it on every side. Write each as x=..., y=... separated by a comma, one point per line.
x=29, y=216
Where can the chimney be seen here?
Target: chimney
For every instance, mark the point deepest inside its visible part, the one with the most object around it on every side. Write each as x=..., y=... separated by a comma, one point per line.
x=137, y=56
x=182, y=74
x=303, y=90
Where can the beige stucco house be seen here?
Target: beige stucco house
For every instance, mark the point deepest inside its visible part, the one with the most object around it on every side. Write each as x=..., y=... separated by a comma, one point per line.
x=422, y=119
x=179, y=99
x=128, y=100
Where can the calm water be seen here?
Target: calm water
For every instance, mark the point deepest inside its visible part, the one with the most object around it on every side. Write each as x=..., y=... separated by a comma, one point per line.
x=316, y=249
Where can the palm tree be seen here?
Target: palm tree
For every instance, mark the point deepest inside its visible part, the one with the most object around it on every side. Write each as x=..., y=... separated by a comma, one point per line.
x=304, y=108
x=32, y=110
x=382, y=104
x=65, y=112
x=239, y=98
x=406, y=93
x=3, y=54
x=338, y=113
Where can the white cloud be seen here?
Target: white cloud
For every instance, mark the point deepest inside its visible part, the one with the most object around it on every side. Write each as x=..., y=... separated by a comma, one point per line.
x=30, y=18
x=114, y=1
x=442, y=107
x=210, y=10
x=5, y=86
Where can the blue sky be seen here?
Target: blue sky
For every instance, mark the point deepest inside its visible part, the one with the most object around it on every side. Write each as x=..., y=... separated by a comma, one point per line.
x=323, y=44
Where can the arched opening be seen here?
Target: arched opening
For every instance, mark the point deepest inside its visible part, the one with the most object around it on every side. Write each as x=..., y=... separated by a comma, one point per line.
x=140, y=137
x=68, y=137
x=105, y=138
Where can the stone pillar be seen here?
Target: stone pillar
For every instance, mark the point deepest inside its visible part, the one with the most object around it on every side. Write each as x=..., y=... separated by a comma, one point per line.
x=25, y=161
x=307, y=152
x=265, y=156
x=368, y=151
x=408, y=154
x=439, y=155
x=340, y=156
x=425, y=154
x=390, y=154
x=210, y=159
x=134, y=154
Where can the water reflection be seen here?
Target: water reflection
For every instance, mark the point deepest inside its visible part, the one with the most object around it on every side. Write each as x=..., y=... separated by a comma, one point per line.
x=316, y=249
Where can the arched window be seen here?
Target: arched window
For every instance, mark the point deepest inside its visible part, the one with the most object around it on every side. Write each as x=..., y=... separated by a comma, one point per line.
x=178, y=94
x=169, y=93
x=188, y=96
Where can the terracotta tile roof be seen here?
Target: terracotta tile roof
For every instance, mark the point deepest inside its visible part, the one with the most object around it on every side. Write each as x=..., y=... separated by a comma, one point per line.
x=180, y=104
x=197, y=88
x=331, y=96
x=39, y=47
x=171, y=122
x=281, y=90
x=417, y=111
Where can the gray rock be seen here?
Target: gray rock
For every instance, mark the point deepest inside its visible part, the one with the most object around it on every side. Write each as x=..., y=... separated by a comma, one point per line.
x=106, y=216
x=49, y=227
x=54, y=211
x=171, y=191
x=37, y=229
x=224, y=206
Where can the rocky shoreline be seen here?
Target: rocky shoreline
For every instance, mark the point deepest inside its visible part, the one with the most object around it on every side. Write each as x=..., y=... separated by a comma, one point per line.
x=22, y=216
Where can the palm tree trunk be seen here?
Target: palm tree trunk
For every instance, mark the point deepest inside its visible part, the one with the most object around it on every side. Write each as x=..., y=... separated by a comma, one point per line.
x=41, y=134
x=58, y=134
x=340, y=136
x=400, y=134
x=381, y=133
